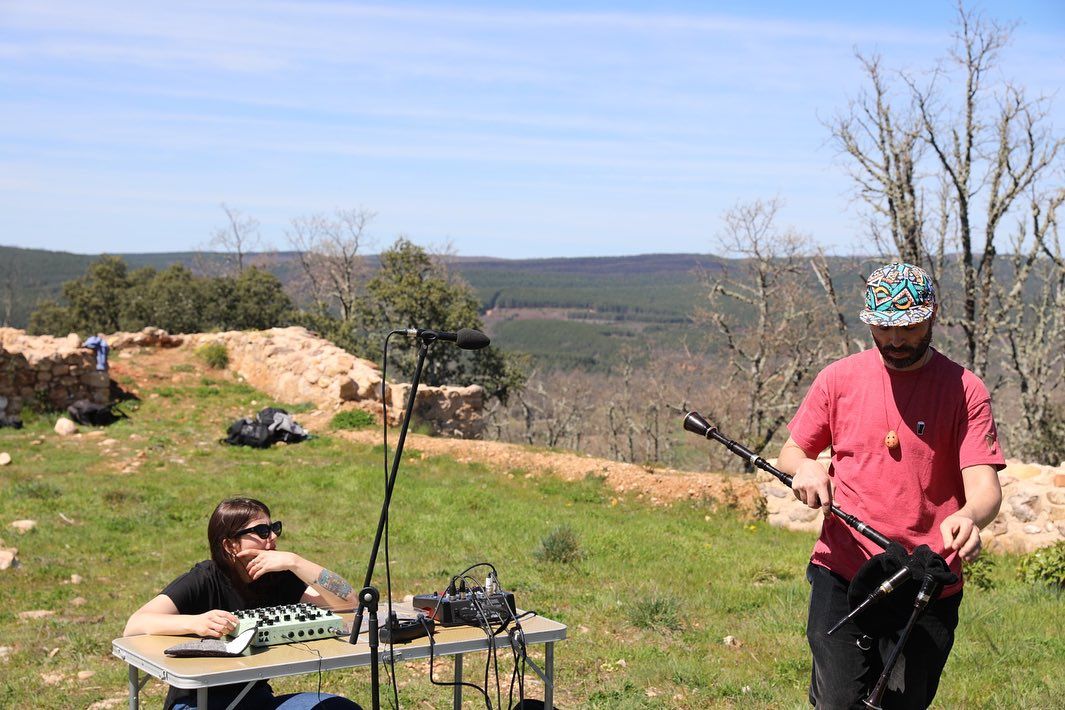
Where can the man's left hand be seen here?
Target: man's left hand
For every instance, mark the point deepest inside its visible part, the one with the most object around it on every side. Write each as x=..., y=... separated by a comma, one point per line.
x=961, y=533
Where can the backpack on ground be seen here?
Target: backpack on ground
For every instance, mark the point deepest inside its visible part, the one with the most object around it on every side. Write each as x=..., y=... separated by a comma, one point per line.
x=269, y=426
x=89, y=413
x=249, y=432
x=282, y=425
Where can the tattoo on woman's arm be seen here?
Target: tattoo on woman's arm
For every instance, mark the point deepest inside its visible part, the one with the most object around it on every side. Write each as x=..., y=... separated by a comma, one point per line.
x=333, y=582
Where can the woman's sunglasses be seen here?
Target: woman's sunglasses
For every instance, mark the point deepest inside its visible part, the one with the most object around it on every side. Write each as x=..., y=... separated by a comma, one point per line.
x=262, y=530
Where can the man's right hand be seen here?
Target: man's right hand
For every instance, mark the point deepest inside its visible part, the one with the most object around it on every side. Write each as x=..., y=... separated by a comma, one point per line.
x=812, y=484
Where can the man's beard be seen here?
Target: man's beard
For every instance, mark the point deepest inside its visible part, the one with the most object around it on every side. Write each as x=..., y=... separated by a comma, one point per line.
x=901, y=358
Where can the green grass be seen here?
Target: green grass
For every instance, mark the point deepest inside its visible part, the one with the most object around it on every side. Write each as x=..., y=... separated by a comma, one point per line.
x=648, y=601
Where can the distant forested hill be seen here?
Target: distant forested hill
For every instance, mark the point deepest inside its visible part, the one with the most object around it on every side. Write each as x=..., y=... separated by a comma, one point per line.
x=648, y=287
x=565, y=312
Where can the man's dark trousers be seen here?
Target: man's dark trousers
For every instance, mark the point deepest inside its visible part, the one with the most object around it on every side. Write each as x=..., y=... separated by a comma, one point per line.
x=844, y=674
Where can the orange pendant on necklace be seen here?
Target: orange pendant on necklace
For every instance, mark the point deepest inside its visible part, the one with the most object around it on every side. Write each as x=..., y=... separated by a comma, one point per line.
x=892, y=439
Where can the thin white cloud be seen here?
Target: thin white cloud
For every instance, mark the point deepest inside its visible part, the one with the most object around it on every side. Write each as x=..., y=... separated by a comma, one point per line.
x=289, y=105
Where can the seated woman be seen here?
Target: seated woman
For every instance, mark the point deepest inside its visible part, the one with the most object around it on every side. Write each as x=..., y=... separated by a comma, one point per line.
x=246, y=570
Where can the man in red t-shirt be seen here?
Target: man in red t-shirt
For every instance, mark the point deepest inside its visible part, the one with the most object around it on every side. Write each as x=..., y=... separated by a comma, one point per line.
x=915, y=455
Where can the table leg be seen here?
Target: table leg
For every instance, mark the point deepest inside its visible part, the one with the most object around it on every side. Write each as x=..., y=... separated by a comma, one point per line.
x=201, y=698
x=134, y=688
x=457, y=702
x=549, y=671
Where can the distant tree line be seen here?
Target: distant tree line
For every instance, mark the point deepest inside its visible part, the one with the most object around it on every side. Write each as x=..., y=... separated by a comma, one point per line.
x=110, y=298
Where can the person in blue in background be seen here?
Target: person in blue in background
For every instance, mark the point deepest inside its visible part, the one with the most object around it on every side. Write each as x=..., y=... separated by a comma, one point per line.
x=100, y=346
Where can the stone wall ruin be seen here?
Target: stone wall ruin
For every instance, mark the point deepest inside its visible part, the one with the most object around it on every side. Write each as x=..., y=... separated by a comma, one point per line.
x=1032, y=514
x=294, y=365
x=43, y=372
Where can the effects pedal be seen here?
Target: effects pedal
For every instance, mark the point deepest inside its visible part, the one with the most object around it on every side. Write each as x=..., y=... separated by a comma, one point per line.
x=471, y=608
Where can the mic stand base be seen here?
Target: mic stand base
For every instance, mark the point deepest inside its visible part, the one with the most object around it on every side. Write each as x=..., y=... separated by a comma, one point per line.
x=368, y=599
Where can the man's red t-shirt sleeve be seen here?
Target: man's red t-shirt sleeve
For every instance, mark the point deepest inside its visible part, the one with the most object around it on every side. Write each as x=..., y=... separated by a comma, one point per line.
x=810, y=428
x=978, y=435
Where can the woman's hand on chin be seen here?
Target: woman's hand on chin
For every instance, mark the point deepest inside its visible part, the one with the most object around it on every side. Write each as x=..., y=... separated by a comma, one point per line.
x=259, y=562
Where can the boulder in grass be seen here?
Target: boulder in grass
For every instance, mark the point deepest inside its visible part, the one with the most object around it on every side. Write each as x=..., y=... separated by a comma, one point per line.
x=24, y=526
x=8, y=557
x=5, y=458
x=65, y=427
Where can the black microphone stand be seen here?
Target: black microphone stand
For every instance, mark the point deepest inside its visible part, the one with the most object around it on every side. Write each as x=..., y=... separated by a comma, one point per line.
x=369, y=595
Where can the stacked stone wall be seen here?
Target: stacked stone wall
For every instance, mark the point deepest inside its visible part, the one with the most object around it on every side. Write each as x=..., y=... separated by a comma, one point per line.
x=1032, y=513
x=293, y=365
x=449, y=411
x=47, y=372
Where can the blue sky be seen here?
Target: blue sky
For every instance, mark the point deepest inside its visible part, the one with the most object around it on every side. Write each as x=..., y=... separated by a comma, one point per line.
x=509, y=129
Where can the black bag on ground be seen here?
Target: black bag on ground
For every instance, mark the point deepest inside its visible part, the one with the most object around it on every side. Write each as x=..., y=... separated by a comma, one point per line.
x=91, y=414
x=269, y=426
x=249, y=432
x=282, y=426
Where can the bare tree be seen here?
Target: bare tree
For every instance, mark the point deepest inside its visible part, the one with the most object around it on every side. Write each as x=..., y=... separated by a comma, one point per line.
x=883, y=143
x=330, y=249
x=771, y=330
x=239, y=237
x=975, y=157
x=554, y=410
x=1033, y=336
x=631, y=414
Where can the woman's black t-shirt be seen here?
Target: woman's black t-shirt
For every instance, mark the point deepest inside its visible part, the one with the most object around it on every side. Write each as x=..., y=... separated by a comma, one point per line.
x=206, y=587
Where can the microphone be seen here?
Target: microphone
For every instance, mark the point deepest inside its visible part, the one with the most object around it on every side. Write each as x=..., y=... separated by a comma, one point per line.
x=926, y=593
x=887, y=587
x=465, y=338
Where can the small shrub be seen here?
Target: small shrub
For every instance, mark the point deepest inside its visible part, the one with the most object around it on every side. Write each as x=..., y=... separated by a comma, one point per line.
x=38, y=490
x=978, y=572
x=656, y=612
x=352, y=419
x=560, y=546
x=1044, y=566
x=183, y=367
x=215, y=355
x=761, y=509
x=114, y=498
x=771, y=574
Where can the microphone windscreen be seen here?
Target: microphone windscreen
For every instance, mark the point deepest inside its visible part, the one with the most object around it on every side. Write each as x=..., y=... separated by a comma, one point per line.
x=470, y=339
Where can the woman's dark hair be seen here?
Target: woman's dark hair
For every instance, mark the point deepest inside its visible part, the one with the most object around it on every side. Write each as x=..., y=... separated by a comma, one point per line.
x=228, y=517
